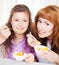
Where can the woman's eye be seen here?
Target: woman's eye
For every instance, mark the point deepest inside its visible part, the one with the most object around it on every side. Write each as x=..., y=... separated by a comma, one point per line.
x=39, y=21
x=47, y=23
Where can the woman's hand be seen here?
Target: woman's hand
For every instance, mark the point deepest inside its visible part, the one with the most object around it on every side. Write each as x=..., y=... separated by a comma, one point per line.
x=32, y=41
x=49, y=56
x=4, y=33
x=29, y=58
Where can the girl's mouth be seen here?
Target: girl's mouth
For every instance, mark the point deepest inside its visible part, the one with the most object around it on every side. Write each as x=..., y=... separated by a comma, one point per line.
x=19, y=29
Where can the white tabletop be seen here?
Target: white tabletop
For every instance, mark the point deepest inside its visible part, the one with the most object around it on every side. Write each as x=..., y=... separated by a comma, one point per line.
x=4, y=61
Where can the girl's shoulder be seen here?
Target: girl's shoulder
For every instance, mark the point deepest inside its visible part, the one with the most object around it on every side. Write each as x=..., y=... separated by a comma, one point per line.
x=2, y=51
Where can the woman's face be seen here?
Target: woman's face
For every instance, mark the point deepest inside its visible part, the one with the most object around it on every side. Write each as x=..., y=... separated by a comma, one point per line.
x=44, y=27
x=20, y=22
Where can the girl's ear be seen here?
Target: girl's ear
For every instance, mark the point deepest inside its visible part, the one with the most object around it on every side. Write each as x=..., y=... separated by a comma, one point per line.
x=11, y=22
x=9, y=25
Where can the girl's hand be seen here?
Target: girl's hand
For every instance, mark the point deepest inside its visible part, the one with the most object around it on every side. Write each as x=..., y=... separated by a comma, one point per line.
x=4, y=33
x=49, y=56
x=32, y=41
x=29, y=58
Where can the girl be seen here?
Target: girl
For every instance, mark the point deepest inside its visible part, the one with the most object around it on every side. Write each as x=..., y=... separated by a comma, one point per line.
x=19, y=24
x=47, y=32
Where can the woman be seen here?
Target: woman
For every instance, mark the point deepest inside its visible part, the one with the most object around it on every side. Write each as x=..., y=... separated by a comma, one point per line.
x=47, y=32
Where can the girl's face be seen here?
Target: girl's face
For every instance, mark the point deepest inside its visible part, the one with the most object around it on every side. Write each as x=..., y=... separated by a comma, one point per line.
x=44, y=27
x=20, y=22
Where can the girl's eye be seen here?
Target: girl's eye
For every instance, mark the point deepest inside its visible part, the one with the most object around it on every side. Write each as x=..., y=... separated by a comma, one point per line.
x=16, y=20
x=24, y=20
x=39, y=21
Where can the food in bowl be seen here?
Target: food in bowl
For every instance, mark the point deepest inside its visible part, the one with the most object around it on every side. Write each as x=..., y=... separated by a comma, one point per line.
x=38, y=49
x=37, y=42
x=20, y=56
x=41, y=47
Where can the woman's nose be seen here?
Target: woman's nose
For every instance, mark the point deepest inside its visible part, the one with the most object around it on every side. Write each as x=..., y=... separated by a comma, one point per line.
x=42, y=26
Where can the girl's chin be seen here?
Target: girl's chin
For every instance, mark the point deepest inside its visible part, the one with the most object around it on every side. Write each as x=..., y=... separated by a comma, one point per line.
x=19, y=33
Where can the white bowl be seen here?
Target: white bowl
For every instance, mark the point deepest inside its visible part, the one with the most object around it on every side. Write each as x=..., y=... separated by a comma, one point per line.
x=19, y=58
x=37, y=50
x=41, y=47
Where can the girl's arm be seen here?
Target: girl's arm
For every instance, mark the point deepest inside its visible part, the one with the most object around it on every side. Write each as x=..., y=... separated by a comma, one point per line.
x=4, y=34
x=29, y=58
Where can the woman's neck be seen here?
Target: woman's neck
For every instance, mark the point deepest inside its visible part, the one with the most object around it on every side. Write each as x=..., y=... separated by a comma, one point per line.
x=18, y=38
x=50, y=38
x=50, y=41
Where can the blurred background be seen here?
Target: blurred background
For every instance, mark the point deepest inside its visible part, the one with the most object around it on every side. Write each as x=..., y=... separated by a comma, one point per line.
x=34, y=6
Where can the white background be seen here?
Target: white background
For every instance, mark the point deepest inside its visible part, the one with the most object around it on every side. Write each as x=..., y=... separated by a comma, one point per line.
x=34, y=6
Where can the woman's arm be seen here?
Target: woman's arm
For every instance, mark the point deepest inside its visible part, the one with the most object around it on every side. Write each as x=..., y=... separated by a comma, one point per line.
x=50, y=56
x=57, y=60
x=32, y=41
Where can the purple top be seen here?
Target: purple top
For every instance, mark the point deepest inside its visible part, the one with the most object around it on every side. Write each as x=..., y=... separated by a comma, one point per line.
x=22, y=45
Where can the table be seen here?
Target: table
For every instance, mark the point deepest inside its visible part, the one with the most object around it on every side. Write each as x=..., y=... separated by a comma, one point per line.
x=4, y=61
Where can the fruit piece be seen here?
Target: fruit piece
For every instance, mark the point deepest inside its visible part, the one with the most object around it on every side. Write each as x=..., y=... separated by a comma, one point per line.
x=20, y=54
x=37, y=42
x=18, y=30
x=43, y=48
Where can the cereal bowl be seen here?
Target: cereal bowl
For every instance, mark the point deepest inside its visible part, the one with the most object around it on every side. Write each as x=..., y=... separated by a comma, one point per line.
x=41, y=47
x=37, y=50
x=20, y=56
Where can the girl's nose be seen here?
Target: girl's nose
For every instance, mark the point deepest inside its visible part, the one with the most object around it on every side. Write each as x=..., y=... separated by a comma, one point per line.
x=20, y=23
